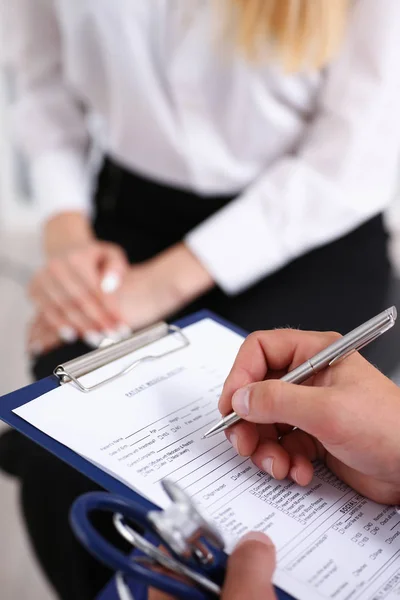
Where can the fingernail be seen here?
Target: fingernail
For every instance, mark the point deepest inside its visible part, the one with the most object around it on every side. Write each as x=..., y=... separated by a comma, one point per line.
x=113, y=335
x=67, y=334
x=240, y=402
x=120, y=333
x=93, y=338
x=268, y=466
x=124, y=330
x=233, y=438
x=35, y=348
x=106, y=342
x=294, y=472
x=255, y=536
x=110, y=283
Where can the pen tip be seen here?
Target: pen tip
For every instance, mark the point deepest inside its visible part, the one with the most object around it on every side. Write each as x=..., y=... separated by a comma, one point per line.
x=214, y=430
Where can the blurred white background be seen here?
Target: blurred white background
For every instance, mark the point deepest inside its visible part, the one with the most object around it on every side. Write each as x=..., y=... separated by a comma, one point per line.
x=19, y=255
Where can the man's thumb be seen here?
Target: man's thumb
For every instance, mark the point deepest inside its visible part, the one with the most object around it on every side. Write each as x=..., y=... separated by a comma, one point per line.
x=311, y=408
x=250, y=569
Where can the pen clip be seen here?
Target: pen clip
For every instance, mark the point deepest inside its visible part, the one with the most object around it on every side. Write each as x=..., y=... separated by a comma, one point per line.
x=361, y=344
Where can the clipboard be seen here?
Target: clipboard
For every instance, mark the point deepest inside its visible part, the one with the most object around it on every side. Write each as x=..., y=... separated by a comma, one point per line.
x=77, y=368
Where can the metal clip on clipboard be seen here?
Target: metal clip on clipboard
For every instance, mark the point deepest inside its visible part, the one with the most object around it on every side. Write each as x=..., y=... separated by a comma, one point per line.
x=73, y=370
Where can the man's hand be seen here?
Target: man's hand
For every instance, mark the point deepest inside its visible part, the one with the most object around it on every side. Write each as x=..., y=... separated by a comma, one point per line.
x=347, y=415
x=250, y=570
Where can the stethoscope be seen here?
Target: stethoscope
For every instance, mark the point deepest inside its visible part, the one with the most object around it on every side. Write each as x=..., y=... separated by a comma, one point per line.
x=195, y=566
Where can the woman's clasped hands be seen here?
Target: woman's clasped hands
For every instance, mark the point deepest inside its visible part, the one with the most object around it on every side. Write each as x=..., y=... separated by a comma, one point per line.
x=88, y=290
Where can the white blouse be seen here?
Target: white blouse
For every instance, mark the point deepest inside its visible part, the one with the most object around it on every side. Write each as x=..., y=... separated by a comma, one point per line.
x=310, y=156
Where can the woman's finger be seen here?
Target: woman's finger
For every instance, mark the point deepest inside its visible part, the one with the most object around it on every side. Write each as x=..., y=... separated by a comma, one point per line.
x=49, y=300
x=42, y=339
x=52, y=300
x=77, y=296
x=113, y=268
x=33, y=347
x=60, y=284
x=59, y=325
x=70, y=323
x=59, y=313
x=103, y=273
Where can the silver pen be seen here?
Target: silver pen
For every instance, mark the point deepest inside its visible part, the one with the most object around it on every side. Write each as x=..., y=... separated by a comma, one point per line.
x=352, y=342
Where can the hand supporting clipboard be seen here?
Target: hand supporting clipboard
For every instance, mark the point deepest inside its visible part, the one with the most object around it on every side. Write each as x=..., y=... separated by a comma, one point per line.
x=196, y=547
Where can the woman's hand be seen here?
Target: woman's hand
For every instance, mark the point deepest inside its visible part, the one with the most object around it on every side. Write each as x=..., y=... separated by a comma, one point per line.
x=249, y=573
x=41, y=337
x=161, y=286
x=347, y=415
x=70, y=292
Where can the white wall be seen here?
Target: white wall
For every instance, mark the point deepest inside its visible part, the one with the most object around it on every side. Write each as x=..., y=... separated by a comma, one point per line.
x=16, y=210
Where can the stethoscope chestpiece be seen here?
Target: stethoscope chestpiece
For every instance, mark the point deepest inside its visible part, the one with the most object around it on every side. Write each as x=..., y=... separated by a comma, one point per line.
x=183, y=527
x=185, y=532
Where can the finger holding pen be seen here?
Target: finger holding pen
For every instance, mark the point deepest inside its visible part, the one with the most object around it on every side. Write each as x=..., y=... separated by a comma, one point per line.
x=263, y=357
x=346, y=415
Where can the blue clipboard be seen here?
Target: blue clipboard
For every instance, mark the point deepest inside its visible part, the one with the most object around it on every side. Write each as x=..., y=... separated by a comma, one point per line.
x=20, y=397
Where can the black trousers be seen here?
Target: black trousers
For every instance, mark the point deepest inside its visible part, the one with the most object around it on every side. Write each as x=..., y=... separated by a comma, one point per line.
x=334, y=287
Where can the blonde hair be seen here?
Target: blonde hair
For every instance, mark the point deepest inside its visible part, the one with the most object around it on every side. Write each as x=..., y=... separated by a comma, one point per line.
x=301, y=33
